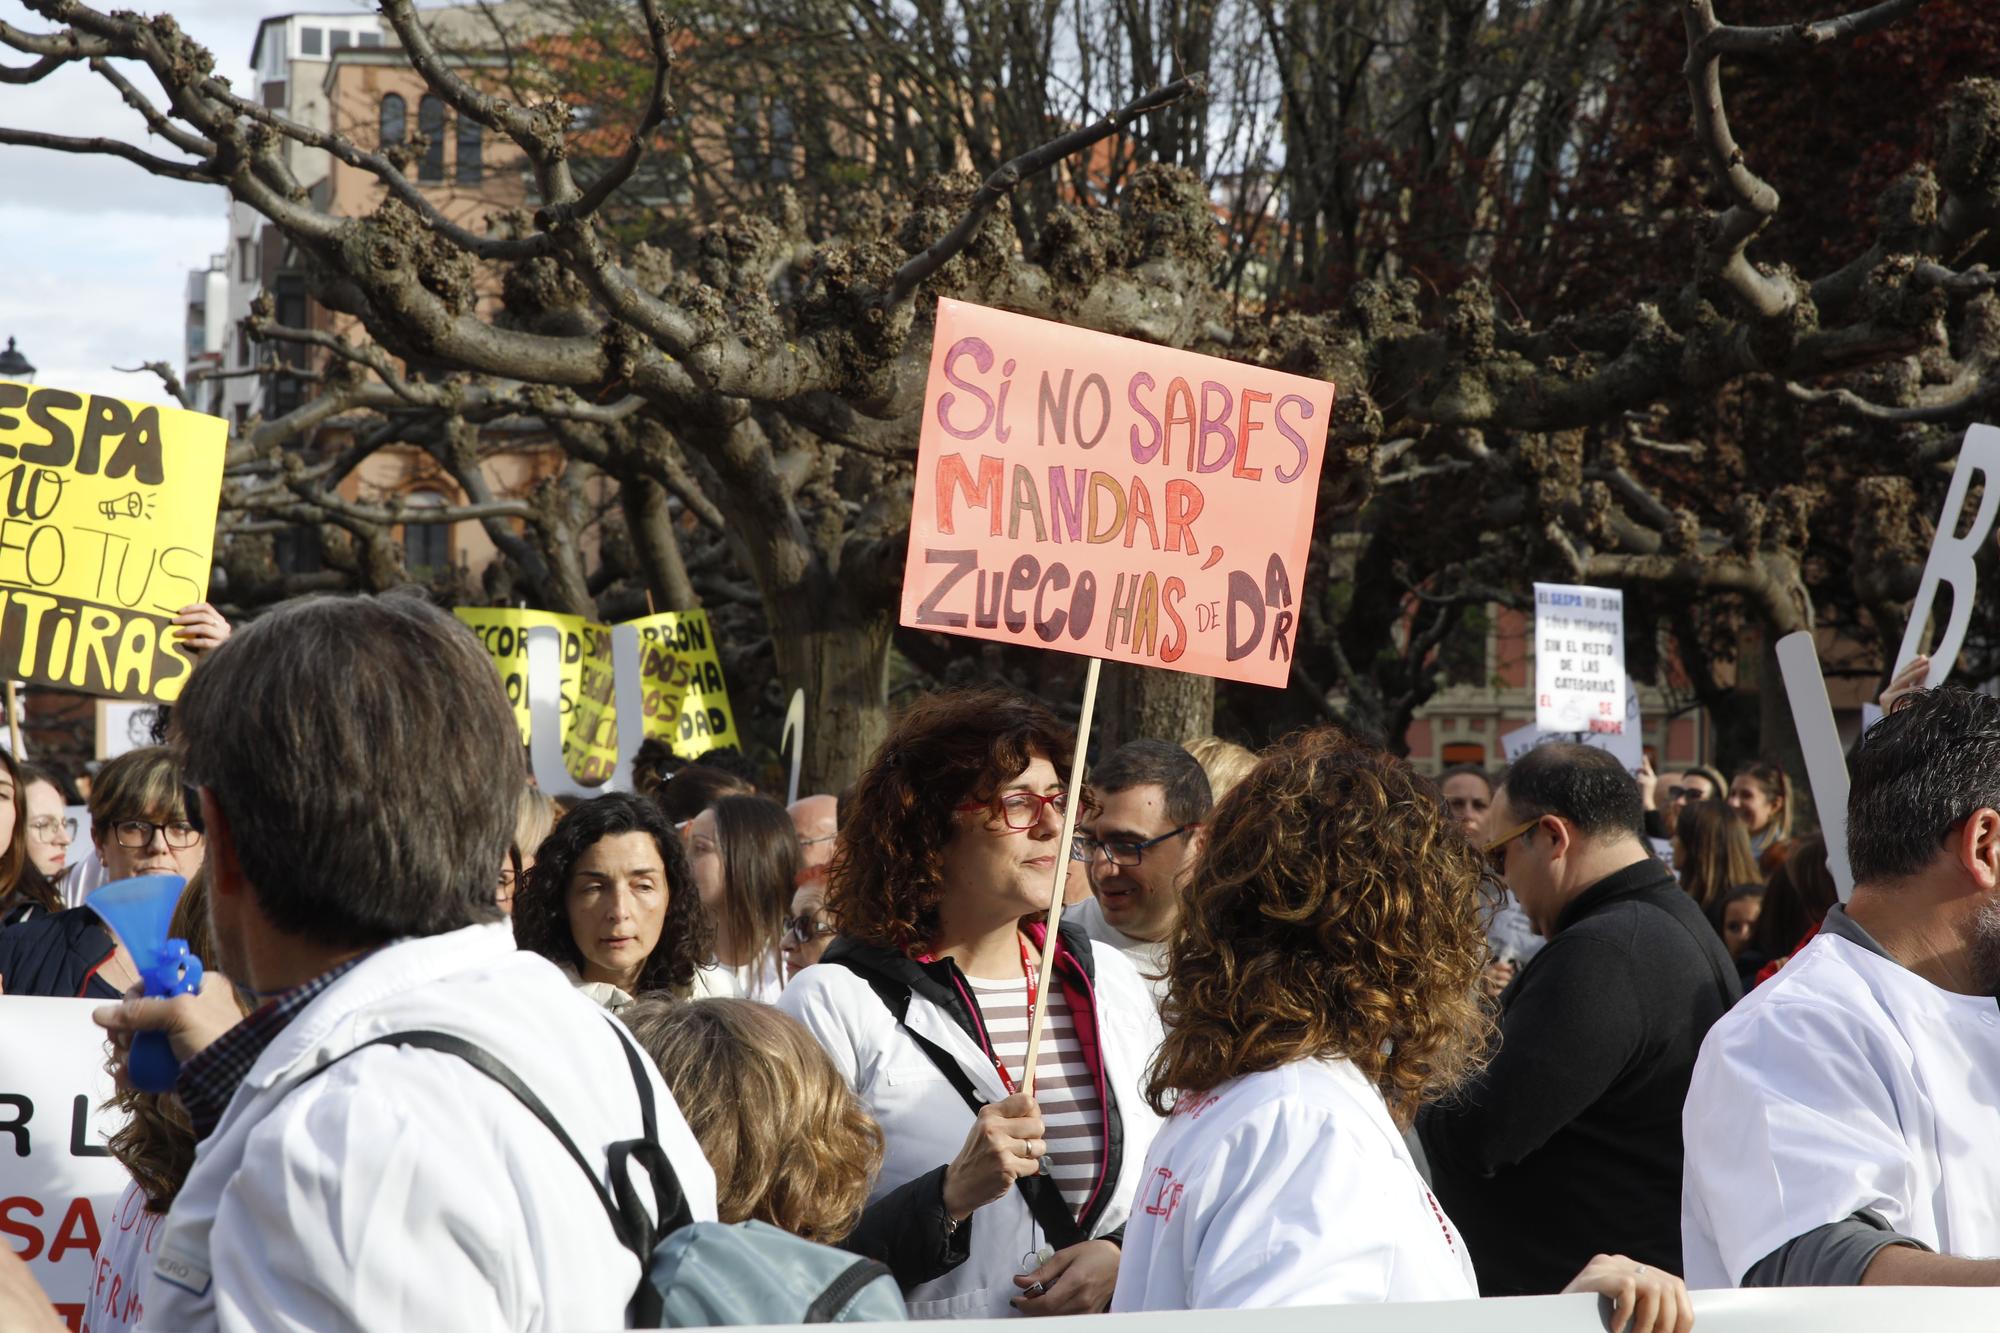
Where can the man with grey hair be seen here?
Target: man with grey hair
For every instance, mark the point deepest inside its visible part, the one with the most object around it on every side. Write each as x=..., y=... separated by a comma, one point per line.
x=1842, y=1122
x=358, y=770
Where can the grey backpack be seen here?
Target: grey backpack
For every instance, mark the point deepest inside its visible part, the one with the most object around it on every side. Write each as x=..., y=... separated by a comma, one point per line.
x=696, y=1274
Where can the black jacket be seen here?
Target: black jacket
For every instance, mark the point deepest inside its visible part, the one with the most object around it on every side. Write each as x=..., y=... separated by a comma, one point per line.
x=1569, y=1143
x=57, y=955
x=906, y=1228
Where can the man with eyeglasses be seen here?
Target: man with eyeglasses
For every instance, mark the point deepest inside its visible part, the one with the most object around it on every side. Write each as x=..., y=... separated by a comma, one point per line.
x=807, y=928
x=1568, y=1144
x=1138, y=847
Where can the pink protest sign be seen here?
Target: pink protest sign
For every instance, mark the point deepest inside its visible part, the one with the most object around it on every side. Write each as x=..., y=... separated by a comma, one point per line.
x=1103, y=496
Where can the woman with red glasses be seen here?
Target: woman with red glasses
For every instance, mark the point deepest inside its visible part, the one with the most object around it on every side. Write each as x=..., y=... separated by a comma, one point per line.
x=990, y=1200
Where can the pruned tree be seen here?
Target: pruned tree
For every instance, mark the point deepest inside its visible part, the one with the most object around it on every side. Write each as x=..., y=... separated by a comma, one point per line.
x=755, y=389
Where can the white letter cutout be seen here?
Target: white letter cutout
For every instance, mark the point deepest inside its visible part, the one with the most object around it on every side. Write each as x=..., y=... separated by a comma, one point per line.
x=1951, y=556
x=1819, y=741
x=545, y=711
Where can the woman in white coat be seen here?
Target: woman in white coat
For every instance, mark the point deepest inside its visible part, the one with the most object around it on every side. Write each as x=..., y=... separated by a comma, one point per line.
x=943, y=875
x=612, y=902
x=1322, y=986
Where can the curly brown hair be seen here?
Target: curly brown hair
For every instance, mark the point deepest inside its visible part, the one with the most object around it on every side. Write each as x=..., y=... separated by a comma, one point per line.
x=541, y=905
x=1335, y=911
x=887, y=875
x=789, y=1140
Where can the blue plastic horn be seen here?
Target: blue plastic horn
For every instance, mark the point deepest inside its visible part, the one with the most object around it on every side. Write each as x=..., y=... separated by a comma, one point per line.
x=141, y=911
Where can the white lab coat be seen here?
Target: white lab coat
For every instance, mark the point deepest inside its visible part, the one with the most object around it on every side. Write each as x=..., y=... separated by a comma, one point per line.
x=1845, y=1082
x=1149, y=957
x=924, y=1122
x=403, y=1189
x=1287, y=1187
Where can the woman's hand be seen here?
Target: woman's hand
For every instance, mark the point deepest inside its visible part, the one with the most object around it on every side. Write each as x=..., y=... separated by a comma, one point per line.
x=1649, y=782
x=1907, y=682
x=200, y=628
x=1005, y=1144
x=1643, y=1299
x=1078, y=1280
x=1493, y=978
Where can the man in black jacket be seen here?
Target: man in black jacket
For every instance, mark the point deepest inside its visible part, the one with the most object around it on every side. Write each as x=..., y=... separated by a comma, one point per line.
x=1569, y=1143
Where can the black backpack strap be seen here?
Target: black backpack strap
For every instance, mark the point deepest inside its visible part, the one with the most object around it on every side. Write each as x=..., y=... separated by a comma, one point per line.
x=1044, y=1199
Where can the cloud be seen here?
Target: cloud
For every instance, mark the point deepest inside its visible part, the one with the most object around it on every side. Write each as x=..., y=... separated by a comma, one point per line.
x=99, y=250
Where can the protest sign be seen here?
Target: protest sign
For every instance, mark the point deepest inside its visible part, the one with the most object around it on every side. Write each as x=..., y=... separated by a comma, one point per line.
x=1952, y=553
x=58, y=1183
x=1579, y=659
x=1102, y=496
x=107, y=525
x=588, y=751
x=687, y=702
x=686, y=699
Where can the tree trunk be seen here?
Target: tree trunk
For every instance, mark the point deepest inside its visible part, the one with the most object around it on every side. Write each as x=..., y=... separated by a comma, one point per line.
x=651, y=524
x=842, y=663
x=1146, y=703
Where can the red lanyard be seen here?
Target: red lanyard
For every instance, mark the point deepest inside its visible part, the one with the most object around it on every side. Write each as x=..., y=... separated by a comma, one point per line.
x=1030, y=976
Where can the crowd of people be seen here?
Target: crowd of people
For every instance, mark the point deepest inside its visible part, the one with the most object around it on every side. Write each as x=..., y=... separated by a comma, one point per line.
x=1318, y=1029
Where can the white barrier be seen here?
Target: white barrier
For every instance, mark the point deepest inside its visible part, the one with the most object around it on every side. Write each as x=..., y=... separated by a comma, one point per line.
x=1798, y=1310
x=58, y=1183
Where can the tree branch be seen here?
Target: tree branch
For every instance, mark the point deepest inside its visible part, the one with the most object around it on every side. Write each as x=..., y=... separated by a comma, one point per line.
x=1003, y=181
x=1806, y=36
x=198, y=173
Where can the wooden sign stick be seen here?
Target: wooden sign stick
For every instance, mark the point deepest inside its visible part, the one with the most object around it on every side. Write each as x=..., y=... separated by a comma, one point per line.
x=14, y=718
x=1074, y=792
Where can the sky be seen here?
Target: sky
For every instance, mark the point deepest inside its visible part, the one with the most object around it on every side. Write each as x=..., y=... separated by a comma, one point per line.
x=99, y=251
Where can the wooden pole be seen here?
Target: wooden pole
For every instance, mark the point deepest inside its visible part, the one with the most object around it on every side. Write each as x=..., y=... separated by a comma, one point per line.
x=1074, y=791
x=14, y=718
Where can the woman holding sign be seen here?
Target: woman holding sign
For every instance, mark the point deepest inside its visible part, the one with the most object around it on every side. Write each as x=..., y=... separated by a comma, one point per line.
x=1321, y=989
x=945, y=869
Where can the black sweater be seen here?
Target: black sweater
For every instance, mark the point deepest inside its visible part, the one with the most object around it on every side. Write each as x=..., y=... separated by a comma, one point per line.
x=1569, y=1144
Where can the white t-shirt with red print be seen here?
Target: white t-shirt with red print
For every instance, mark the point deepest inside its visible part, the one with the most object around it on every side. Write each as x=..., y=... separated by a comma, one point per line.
x=1287, y=1187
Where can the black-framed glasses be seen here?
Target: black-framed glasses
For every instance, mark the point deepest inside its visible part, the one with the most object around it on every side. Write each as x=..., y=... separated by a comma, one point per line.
x=1118, y=852
x=806, y=929
x=132, y=834
x=49, y=828
x=1020, y=810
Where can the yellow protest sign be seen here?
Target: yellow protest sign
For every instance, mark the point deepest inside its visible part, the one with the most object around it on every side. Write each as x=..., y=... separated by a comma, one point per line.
x=107, y=528
x=678, y=659
x=687, y=703
x=588, y=731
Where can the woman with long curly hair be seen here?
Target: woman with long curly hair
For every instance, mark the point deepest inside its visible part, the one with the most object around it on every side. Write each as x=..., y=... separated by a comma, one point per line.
x=990, y=1200
x=1321, y=988
x=612, y=902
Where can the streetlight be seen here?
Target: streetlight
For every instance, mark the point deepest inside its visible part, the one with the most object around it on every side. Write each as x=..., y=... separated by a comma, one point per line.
x=14, y=366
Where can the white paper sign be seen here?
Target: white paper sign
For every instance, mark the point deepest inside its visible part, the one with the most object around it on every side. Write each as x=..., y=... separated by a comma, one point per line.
x=1629, y=744
x=1579, y=659
x=58, y=1183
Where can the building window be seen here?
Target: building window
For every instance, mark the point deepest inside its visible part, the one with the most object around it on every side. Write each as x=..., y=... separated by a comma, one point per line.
x=368, y=39
x=395, y=120
x=743, y=136
x=243, y=268
x=426, y=546
x=242, y=346
x=310, y=40
x=1464, y=752
x=471, y=169
x=430, y=124
x=342, y=39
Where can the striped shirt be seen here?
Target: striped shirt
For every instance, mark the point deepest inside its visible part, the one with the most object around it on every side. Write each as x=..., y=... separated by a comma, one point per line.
x=1064, y=1086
